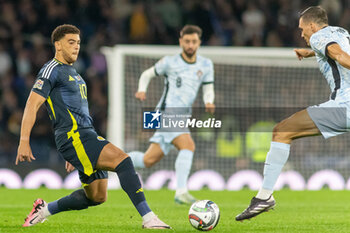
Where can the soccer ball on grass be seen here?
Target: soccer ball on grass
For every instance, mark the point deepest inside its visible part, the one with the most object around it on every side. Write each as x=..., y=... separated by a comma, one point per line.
x=204, y=215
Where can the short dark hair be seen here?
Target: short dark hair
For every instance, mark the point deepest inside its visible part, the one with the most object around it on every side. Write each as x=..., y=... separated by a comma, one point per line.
x=315, y=14
x=62, y=30
x=190, y=29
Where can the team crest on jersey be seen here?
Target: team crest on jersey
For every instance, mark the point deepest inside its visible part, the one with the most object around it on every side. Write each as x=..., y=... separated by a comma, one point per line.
x=100, y=138
x=38, y=84
x=199, y=74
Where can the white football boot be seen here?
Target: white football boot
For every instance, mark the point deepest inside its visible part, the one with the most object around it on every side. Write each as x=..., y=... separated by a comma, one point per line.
x=38, y=213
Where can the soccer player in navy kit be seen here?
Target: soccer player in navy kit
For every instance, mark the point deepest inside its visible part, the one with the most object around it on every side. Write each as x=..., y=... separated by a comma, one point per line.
x=64, y=93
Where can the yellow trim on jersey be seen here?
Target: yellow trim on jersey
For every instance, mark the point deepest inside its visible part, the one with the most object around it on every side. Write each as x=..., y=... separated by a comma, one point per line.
x=49, y=101
x=71, y=78
x=58, y=61
x=79, y=147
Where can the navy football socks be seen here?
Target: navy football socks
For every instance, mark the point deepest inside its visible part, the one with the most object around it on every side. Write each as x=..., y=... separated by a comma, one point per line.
x=75, y=201
x=132, y=186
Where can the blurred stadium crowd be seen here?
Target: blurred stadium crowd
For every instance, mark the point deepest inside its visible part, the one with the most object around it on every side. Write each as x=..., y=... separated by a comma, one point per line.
x=26, y=25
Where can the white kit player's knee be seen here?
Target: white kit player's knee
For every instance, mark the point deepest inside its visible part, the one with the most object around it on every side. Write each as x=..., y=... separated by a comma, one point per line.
x=137, y=159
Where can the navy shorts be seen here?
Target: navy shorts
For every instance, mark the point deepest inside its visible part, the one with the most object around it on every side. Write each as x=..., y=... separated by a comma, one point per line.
x=82, y=149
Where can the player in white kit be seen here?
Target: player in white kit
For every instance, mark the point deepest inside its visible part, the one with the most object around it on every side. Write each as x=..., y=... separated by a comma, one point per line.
x=331, y=46
x=184, y=74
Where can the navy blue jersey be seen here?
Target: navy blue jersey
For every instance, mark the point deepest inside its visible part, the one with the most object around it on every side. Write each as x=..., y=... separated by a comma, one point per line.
x=66, y=96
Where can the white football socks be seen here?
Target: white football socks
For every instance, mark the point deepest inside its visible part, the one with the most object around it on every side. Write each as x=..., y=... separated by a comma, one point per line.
x=183, y=166
x=275, y=160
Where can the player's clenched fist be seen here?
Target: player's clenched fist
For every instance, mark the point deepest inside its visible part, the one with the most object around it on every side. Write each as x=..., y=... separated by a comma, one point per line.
x=141, y=95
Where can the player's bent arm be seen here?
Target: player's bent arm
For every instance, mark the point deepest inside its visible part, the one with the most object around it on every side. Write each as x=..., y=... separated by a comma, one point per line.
x=24, y=152
x=304, y=53
x=145, y=78
x=29, y=116
x=337, y=54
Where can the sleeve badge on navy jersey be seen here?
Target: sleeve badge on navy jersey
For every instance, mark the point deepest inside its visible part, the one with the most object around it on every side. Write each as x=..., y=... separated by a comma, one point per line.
x=199, y=74
x=38, y=84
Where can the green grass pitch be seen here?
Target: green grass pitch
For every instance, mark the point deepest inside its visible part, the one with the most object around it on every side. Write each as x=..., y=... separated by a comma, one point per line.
x=298, y=211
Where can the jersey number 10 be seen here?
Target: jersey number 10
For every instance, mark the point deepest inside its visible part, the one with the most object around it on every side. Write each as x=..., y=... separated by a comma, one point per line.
x=83, y=91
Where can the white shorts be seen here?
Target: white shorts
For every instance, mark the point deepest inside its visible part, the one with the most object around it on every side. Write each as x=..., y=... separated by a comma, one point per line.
x=164, y=139
x=331, y=117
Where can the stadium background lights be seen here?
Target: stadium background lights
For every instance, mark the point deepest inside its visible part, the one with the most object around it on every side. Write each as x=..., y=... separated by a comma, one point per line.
x=203, y=178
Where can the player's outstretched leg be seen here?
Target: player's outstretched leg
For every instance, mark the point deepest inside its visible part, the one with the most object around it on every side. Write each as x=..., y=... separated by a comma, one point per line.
x=275, y=160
